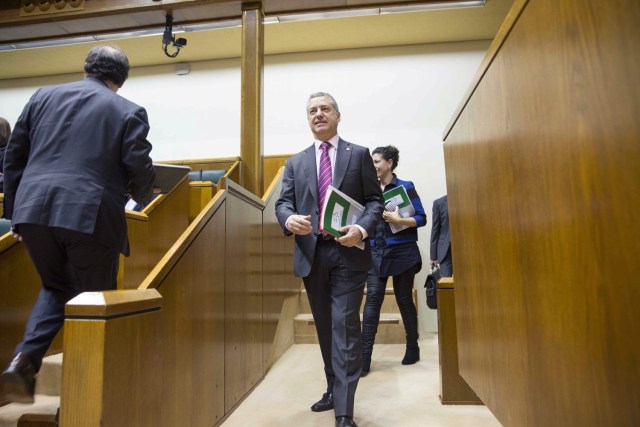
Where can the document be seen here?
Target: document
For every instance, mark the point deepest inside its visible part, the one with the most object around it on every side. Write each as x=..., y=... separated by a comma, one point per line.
x=168, y=176
x=338, y=211
x=398, y=198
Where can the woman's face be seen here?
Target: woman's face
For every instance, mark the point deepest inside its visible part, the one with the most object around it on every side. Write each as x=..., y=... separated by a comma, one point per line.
x=383, y=166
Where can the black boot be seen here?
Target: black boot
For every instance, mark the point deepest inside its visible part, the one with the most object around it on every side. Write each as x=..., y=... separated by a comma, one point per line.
x=410, y=320
x=411, y=355
x=366, y=364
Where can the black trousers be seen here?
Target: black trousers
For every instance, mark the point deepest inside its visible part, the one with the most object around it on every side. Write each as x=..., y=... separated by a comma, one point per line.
x=68, y=263
x=335, y=295
x=403, y=290
x=446, y=266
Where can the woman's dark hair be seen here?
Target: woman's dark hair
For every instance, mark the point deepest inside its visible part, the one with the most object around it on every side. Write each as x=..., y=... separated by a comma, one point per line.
x=107, y=63
x=389, y=153
x=5, y=133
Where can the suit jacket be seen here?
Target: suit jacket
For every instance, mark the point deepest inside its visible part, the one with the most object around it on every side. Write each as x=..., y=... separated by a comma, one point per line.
x=354, y=175
x=440, y=240
x=73, y=153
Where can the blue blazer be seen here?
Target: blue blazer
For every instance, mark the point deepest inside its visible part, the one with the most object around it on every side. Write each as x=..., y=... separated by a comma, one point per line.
x=73, y=153
x=354, y=175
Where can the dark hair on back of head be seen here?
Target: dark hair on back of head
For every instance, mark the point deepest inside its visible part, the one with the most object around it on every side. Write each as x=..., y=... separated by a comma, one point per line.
x=5, y=133
x=108, y=63
x=389, y=153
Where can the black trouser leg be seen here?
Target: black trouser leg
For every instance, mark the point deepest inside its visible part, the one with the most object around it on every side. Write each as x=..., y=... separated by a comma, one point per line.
x=68, y=263
x=371, y=316
x=403, y=290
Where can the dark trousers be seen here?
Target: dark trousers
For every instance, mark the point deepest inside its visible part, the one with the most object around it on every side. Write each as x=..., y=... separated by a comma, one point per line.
x=68, y=263
x=335, y=295
x=403, y=290
x=446, y=266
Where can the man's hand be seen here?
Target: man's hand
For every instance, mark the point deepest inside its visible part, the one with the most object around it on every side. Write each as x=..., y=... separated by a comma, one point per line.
x=15, y=234
x=352, y=238
x=299, y=224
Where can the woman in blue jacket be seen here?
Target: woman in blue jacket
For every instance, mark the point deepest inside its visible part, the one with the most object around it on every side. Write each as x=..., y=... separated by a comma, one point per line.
x=396, y=255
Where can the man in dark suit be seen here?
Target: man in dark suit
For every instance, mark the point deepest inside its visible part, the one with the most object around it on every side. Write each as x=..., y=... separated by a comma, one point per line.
x=333, y=270
x=74, y=152
x=440, y=240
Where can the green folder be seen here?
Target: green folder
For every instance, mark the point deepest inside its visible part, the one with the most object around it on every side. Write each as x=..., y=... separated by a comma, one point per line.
x=399, y=197
x=338, y=210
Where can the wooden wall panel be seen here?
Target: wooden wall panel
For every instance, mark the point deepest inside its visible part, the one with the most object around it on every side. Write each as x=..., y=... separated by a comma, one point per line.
x=193, y=330
x=20, y=285
x=243, y=293
x=278, y=281
x=112, y=341
x=543, y=175
x=272, y=165
x=153, y=231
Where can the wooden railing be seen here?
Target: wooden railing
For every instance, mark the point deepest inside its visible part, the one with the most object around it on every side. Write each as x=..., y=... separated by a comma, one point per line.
x=153, y=231
x=200, y=192
x=217, y=291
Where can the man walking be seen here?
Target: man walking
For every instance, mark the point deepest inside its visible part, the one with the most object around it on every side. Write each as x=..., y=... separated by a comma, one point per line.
x=334, y=270
x=75, y=151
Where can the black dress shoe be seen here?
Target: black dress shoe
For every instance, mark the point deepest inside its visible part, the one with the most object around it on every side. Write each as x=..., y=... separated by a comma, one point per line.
x=345, y=422
x=19, y=380
x=324, y=404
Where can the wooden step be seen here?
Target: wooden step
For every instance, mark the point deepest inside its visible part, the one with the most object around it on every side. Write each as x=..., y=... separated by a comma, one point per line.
x=45, y=407
x=49, y=379
x=388, y=305
x=390, y=329
x=47, y=399
x=38, y=420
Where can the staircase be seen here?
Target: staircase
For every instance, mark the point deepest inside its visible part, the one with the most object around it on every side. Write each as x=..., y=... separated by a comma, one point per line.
x=42, y=413
x=390, y=328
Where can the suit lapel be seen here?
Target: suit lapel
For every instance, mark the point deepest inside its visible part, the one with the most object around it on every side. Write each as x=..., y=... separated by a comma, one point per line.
x=342, y=161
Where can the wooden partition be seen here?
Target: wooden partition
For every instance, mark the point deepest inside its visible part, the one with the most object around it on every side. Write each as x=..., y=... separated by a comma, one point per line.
x=272, y=165
x=19, y=288
x=200, y=192
x=215, y=299
x=453, y=388
x=1, y=205
x=225, y=163
x=128, y=324
x=243, y=293
x=543, y=175
x=153, y=231
x=280, y=288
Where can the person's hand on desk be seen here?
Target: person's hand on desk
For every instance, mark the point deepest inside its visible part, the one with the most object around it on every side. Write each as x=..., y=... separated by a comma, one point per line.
x=299, y=224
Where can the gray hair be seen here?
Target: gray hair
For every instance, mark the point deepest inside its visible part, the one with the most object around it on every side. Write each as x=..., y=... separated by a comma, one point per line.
x=332, y=101
x=107, y=63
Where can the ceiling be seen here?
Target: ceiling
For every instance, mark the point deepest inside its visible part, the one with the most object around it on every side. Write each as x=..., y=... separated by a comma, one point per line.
x=434, y=26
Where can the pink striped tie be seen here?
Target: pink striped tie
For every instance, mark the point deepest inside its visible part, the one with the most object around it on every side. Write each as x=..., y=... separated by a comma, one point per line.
x=325, y=176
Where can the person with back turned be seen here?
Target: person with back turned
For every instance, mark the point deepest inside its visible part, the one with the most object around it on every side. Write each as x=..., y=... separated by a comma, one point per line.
x=75, y=150
x=440, y=250
x=333, y=270
x=5, y=133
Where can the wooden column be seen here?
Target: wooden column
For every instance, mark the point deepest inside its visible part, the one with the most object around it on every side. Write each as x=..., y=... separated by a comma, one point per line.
x=251, y=151
x=112, y=356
